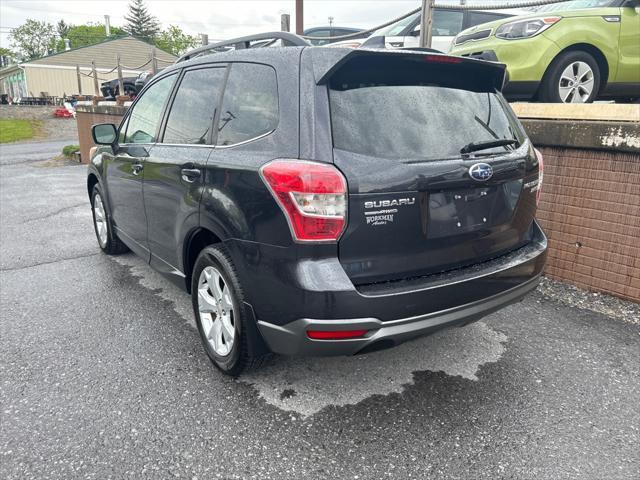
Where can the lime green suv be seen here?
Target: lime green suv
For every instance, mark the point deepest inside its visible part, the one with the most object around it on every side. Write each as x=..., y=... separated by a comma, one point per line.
x=570, y=52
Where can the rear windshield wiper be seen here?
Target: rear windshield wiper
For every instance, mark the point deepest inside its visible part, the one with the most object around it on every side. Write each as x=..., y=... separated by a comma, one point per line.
x=476, y=146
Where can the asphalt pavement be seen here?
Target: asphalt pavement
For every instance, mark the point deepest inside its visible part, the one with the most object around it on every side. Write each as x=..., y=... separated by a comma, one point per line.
x=102, y=375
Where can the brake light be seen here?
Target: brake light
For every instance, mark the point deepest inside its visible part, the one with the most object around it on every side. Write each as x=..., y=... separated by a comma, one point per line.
x=312, y=195
x=540, y=175
x=442, y=59
x=336, y=334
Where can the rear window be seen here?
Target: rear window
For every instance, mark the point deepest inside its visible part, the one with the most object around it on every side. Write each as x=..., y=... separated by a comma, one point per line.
x=417, y=122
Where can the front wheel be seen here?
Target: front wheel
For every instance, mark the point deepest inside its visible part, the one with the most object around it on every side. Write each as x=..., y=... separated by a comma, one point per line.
x=573, y=77
x=107, y=237
x=219, y=308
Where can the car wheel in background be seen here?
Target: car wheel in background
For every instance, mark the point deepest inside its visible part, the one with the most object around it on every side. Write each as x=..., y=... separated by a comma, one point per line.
x=107, y=238
x=573, y=77
x=219, y=308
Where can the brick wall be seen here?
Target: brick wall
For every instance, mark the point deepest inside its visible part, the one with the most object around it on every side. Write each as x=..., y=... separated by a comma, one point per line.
x=590, y=210
x=87, y=116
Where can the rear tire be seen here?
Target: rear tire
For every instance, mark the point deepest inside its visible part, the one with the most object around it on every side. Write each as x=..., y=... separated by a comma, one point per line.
x=572, y=77
x=107, y=238
x=221, y=314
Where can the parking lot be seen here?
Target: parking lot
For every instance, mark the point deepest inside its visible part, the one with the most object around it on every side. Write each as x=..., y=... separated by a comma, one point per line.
x=103, y=375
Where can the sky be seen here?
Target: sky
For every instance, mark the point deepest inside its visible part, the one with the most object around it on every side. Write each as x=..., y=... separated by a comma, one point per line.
x=220, y=19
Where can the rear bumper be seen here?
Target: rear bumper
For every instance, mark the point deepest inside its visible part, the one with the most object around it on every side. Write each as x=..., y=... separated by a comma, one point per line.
x=290, y=295
x=292, y=339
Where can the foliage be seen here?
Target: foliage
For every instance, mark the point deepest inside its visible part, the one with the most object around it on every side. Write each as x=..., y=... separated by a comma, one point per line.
x=69, y=150
x=13, y=130
x=63, y=28
x=33, y=39
x=175, y=41
x=7, y=55
x=83, y=35
x=140, y=23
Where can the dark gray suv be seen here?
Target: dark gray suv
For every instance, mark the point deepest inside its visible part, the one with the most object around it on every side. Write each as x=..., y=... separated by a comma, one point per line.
x=323, y=201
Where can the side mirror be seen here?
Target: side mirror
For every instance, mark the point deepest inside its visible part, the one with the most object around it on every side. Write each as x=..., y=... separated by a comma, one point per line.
x=104, y=134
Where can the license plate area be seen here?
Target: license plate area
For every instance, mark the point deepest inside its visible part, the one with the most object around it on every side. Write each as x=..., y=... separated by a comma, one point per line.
x=455, y=212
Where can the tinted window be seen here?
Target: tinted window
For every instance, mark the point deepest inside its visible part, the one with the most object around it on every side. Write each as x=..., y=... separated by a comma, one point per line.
x=146, y=114
x=417, y=122
x=446, y=23
x=477, y=18
x=250, y=105
x=194, y=106
x=320, y=33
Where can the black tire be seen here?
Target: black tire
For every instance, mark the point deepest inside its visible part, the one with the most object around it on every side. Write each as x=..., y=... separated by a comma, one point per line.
x=549, y=90
x=112, y=245
x=243, y=355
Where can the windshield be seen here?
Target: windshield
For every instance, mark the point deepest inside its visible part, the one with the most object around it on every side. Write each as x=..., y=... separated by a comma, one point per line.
x=396, y=29
x=419, y=122
x=575, y=5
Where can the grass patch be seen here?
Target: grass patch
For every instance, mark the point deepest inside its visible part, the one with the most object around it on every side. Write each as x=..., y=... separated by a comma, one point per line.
x=69, y=150
x=12, y=130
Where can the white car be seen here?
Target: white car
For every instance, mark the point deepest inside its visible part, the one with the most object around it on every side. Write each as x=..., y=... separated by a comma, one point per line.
x=446, y=25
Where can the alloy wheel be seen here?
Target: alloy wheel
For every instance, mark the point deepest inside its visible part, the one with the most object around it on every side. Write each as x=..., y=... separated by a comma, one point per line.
x=576, y=83
x=215, y=305
x=100, y=218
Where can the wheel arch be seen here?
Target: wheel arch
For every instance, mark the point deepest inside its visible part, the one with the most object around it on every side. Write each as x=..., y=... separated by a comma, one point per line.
x=594, y=51
x=92, y=181
x=196, y=241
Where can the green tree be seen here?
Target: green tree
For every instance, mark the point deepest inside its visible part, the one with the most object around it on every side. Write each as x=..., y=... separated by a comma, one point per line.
x=83, y=35
x=175, y=41
x=33, y=39
x=63, y=28
x=140, y=23
x=7, y=57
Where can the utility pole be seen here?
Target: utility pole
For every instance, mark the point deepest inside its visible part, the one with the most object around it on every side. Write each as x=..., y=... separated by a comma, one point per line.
x=426, y=20
x=299, y=18
x=107, y=25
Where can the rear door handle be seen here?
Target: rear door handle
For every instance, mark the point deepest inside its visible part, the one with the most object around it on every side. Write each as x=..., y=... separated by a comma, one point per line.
x=136, y=168
x=190, y=174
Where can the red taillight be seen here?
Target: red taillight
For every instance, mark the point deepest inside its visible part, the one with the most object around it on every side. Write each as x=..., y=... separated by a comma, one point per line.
x=442, y=59
x=312, y=195
x=540, y=175
x=336, y=334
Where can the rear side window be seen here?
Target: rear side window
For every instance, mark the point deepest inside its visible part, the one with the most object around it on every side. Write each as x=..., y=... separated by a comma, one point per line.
x=191, y=117
x=146, y=114
x=250, y=104
x=417, y=122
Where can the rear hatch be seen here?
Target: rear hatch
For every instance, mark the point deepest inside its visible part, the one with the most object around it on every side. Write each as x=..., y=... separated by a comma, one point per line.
x=417, y=205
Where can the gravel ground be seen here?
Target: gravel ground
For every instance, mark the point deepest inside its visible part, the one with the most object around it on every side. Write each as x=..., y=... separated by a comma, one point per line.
x=596, y=302
x=102, y=375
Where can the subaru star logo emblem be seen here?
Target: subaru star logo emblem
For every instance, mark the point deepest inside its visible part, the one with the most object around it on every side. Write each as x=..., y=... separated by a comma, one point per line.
x=481, y=172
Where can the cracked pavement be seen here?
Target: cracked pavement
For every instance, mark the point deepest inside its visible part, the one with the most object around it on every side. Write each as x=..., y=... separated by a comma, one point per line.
x=103, y=376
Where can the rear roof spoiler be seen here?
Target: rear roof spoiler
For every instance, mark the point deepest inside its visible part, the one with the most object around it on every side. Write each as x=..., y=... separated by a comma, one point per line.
x=328, y=62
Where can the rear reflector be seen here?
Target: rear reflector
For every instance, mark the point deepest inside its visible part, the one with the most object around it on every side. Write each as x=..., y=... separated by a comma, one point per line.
x=335, y=335
x=312, y=195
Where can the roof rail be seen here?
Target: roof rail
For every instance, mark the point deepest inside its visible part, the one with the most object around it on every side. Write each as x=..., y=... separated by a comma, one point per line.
x=288, y=40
